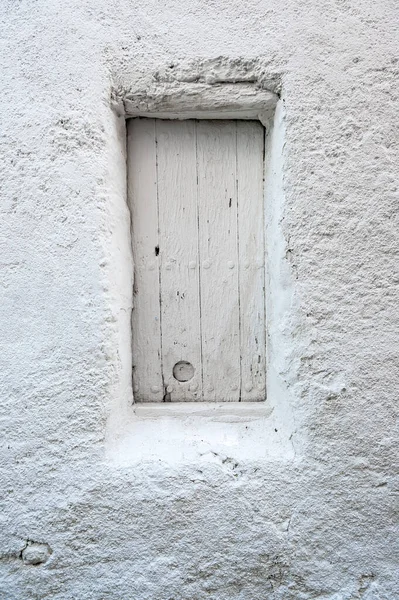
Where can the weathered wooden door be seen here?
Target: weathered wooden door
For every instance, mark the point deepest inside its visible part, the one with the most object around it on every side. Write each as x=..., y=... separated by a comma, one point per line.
x=196, y=200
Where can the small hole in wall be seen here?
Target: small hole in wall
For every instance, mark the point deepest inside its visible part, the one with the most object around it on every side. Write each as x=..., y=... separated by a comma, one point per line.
x=183, y=371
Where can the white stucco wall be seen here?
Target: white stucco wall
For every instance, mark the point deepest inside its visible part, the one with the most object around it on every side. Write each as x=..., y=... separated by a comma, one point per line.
x=95, y=503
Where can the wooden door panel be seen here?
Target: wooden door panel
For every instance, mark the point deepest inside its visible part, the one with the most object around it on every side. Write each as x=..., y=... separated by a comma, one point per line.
x=196, y=198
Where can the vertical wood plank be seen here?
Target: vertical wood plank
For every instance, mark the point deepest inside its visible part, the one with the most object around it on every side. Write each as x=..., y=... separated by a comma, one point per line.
x=217, y=205
x=178, y=242
x=146, y=326
x=250, y=145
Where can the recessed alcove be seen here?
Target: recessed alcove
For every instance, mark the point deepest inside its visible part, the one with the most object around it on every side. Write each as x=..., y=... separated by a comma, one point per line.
x=196, y=170
x=185, y=428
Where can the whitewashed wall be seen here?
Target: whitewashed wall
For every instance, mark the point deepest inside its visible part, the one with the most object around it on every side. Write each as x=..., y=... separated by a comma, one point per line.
x=96, y=498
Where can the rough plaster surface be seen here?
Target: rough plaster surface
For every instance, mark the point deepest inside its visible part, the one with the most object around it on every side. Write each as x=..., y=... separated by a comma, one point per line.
x=315, y=520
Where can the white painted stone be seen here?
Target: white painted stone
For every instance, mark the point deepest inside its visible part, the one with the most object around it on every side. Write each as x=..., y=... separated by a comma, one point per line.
x=299, y=506
x=35, y=553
